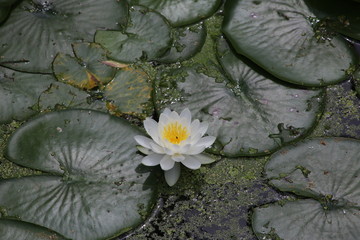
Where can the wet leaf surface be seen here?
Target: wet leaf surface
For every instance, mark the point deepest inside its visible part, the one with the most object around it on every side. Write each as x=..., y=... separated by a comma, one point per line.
x=188, y=42
x=86, y=70
x=129, y=93
x=249, y=112
x=182, y=12
x=318, y=167
x=50, y=27
x=12, y=229
x=140, y=40
x=92, y=186
x=214, y=202
x=60, y=96
x=23, y=95
x=288, y=41
x=19, y=93
x=324, y=169
x=305, y=219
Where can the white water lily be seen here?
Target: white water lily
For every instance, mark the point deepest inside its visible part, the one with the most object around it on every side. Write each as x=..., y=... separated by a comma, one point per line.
x=175, y=140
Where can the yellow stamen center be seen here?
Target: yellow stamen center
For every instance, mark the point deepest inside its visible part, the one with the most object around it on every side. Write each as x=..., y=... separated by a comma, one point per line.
x=175, y=132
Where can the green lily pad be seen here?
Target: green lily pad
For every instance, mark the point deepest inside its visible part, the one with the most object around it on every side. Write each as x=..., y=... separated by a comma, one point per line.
x=182, y=12
x=93, y=186
x=306, y=219
x=286, y=39
x=51, y=26
x=12, y=229
x=341, y=16
x=23, y=95
x=61, y=96
x=188, y=42
x=140, y=40
x=249, y=112
x=317, y=168
x=325, y=169
x=86, y=70
x=19, y=93
x=130, y=93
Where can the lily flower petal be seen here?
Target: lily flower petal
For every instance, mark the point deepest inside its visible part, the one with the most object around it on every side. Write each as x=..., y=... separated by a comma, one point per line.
x=166, y=163
x=164, y=118
x=143, y=141
x=174, y=115
x=203, y=128
x=178, y=157
x=185, y=116
x=191, y=163
x=152, y=160
x=204, y=159
x=196, y=150
x=206, y=141
x=166, y=111
x=172, y=175
x=184, y=149
x=175, y=139
x=151, y=127
x=195, y=138
x=181, y=149
x=169, y=151
x=195, y=125
x=156, y=148
x=144, y=150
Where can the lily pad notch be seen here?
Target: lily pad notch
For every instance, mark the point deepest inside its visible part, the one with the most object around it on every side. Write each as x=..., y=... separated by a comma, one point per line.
x=324, y=173
x=93, y=186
